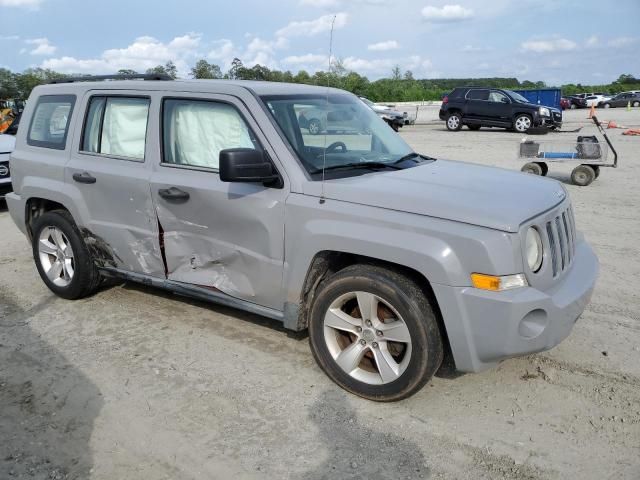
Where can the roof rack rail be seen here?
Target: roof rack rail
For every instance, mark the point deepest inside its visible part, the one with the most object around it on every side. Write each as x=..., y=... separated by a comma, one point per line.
x=95, y=78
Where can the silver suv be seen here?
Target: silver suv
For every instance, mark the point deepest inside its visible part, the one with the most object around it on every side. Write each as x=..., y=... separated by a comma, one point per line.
x=213, y=189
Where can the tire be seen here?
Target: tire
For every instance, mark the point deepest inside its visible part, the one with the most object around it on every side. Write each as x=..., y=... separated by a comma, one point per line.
x=474, y=127
x=411, y=364
x=606, y=105
x=636, y=104
x=315, y=126
x=545, y=168
x=533, y=168
x=56, y=237
x=573, y=106
x=583, y=175
x=522, y=123
x=454, y=122
x=596, y=169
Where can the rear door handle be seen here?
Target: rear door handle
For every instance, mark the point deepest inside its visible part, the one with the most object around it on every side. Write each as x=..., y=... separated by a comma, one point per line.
x=84, y=177
x=173, y=193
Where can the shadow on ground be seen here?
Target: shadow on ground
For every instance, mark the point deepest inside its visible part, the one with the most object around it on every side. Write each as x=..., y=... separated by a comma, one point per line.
x=47, y=406
x=356, y=451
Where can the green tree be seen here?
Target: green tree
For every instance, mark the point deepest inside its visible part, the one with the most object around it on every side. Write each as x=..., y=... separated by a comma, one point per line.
x=204, y=69
x=168, y=68
x=127, y=71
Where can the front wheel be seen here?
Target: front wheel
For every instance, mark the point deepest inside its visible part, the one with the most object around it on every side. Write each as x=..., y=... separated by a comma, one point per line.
x=522, y=123
x=636, y=104
x=315, y=126
x=454, y=122
x=374, y=333
x=62, y=257
x=607, y=105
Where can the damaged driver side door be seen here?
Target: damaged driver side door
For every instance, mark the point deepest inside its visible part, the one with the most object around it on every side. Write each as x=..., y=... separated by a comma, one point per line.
x=224, y=236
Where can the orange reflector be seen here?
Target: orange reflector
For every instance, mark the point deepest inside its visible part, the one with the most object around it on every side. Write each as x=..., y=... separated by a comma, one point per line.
x=485, y=282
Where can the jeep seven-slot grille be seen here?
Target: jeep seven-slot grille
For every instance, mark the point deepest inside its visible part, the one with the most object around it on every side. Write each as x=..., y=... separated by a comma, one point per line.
x=561, y=233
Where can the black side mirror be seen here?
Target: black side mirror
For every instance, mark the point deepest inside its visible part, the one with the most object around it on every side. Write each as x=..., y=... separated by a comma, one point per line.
x=245, y=165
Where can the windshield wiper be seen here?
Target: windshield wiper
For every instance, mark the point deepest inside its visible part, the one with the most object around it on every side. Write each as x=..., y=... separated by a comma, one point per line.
x=411, y=155
x=355, y=165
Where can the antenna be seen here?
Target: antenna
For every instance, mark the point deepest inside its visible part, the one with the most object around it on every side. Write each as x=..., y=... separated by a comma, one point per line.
x=324, y=150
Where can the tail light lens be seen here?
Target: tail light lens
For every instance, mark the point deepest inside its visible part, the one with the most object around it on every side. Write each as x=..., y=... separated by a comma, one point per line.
x=445, y=100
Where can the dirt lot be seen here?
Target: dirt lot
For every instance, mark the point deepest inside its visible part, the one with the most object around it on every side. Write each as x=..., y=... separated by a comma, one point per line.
x=135, y=383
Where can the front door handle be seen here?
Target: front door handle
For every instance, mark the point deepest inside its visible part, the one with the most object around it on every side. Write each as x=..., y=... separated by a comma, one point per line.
x=173, y=193
x=84, y=177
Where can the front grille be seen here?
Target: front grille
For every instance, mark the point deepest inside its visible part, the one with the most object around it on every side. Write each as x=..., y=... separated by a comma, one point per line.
x=4, y=170
x=561, y=233
x=557, y=116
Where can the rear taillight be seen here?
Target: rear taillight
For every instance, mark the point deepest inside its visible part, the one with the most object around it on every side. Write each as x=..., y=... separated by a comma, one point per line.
x=445, y=100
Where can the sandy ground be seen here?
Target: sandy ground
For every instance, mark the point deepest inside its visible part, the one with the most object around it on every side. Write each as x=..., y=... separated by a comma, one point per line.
x=135, y=383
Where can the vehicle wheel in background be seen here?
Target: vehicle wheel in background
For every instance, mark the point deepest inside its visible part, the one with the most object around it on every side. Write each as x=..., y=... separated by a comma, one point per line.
x=374, y=333
x=606, y=105
x=61, y=256
x=583, y=175
x=573, y=106
x=533, y=168
x=315, y=126
x=522, y=123
x=454, y=122
x=474, y=127
x=636, y=104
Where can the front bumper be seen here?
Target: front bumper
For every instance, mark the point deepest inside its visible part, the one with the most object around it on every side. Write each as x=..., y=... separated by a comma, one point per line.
x=16, y=206
x=5, y=187
x=485, y=327
x=555, y=120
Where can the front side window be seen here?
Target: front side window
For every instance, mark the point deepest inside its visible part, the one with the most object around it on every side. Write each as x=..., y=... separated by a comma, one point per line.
x=195, y=131
x=338, y=133
x=50, y=121
x=499, y=97
x=116, y=126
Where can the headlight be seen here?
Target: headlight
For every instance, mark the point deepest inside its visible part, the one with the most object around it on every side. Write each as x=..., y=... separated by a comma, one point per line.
x=544, y=112
x=533, y=249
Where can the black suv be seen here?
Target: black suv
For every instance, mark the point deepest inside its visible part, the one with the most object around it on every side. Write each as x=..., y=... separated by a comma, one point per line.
x=478, y=107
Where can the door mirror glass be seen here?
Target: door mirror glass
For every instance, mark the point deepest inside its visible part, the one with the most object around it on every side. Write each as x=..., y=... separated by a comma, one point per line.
x=245, y=165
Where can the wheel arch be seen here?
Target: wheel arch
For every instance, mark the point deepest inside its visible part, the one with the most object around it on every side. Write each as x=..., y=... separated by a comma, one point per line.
x=37, y=206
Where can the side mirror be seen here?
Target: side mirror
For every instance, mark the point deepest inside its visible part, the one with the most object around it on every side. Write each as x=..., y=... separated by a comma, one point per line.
x=245, y=165
x=504, y=100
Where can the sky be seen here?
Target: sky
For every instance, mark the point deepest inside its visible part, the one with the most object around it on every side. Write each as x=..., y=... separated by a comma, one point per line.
x=556, y=41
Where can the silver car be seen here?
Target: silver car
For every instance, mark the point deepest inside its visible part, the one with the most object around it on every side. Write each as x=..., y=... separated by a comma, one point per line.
x=213, y=189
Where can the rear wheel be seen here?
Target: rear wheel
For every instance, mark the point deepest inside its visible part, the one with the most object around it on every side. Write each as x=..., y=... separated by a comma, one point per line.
x=454, y=122
x=636, y=104
x=474, y=127
x=583, y=175
x=606, y=105
x=522, y=123
x=315, y=126
x=573, y=106
x=373, y=332
x=61, y=256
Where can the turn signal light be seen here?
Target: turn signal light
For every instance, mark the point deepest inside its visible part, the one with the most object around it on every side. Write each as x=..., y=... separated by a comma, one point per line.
x=498, y=283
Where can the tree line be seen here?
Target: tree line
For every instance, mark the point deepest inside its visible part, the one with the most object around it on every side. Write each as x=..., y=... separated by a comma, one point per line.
x=398, y=86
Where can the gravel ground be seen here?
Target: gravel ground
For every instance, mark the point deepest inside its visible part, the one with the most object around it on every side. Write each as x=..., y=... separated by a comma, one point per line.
x=136, y=383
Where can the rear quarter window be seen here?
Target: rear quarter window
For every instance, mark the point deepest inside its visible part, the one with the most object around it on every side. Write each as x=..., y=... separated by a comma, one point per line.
x=50, y=121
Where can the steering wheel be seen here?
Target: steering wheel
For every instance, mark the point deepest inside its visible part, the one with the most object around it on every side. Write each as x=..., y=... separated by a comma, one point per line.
x=336, y=145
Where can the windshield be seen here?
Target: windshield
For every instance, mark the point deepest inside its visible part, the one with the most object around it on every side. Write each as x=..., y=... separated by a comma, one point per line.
x=337, y=131
x=517, y=97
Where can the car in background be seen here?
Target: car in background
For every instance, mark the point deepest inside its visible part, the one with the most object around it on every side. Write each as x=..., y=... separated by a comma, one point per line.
x=576, y=102
x=478, y=107
x=319, y=119
x=621, y=100
x=7, y=144
x=394, y=118
x=594, y=100
x=565, y=103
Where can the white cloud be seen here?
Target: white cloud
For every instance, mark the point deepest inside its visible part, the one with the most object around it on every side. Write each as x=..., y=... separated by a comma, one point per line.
x=474, y=49
x=549, y=45
x=384, y=46
x=307, y=59
x=592, y=41
x=42, y=46
x=20, y=3
x=143, y=53
x=309, y=28
x=319, y=3
x=446, y=14
x=622, y=42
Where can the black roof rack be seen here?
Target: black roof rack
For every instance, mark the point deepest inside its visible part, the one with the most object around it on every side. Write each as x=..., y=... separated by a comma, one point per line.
x=95, y=78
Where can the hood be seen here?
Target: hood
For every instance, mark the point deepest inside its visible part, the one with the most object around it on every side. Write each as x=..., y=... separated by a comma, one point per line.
x=7, y=143
x=486, y=196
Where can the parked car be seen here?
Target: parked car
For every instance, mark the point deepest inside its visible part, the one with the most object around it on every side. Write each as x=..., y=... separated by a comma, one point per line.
x=7, y=144
x=327, y=118
x=576, y=102
x=594, y=100
x=393, y=118
x=565, y=103
x=478, y=107
x=621, y=100
x=388, y=257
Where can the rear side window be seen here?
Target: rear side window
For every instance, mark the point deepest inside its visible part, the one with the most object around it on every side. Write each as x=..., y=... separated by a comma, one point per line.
x=194, y=132
x=50, y=121
x=478, y=94
x=116, y=126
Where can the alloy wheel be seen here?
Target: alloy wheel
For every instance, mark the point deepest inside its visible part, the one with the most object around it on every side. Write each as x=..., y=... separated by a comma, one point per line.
x=453, y=122
x=56, y=256
x=367, y=338
x=522, y=124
